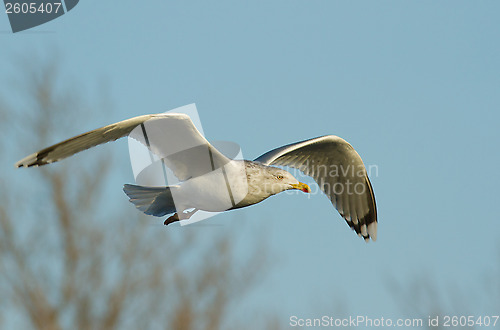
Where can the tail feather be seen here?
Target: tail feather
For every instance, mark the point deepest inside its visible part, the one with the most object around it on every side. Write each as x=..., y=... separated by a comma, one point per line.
x=155, y=201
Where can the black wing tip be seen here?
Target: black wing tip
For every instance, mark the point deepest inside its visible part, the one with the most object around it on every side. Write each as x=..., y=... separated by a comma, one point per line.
x=36, y=159
x=369, y=221
x=35, y=163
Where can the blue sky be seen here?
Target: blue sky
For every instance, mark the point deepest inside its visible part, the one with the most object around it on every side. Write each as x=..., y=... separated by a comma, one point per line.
x=413, y=86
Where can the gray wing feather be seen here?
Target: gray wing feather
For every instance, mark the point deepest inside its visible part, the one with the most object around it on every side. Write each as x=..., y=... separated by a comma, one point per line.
x=340, y=173
x=172, y=136
x=81, y=142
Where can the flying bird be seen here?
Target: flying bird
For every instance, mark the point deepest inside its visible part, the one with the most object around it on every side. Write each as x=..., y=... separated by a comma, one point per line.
x=211, y=181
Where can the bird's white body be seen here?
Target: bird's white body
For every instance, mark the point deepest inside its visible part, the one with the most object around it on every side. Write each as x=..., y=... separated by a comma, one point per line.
x=215, y=191
x=238, y=184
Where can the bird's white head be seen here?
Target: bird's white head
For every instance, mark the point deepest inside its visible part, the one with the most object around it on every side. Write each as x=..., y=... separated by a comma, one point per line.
x=274, y=180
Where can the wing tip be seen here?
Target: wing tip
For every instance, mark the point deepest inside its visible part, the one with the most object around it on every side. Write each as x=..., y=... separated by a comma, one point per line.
x=28, y=161
x=33, y=160
x=365, y=227
x=372, y=231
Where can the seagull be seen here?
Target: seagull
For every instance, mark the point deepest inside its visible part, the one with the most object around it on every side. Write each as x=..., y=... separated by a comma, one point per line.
x=211, y=181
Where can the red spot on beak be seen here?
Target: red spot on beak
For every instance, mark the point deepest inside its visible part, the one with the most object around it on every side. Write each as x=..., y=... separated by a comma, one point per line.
x=302, y=187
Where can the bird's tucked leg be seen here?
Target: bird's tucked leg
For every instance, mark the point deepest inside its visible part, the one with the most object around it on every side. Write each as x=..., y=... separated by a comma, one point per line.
x=171, y=219
x=177, y=217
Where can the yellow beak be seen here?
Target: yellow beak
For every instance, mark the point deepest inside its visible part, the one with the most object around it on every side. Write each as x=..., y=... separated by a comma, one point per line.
x=302, y=186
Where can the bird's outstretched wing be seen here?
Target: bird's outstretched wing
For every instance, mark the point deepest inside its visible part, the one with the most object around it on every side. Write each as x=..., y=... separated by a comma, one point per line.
x=171, y=136
x=340, y=174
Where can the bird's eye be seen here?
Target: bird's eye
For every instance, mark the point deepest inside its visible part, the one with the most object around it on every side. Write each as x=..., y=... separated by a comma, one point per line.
x=280, y=177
